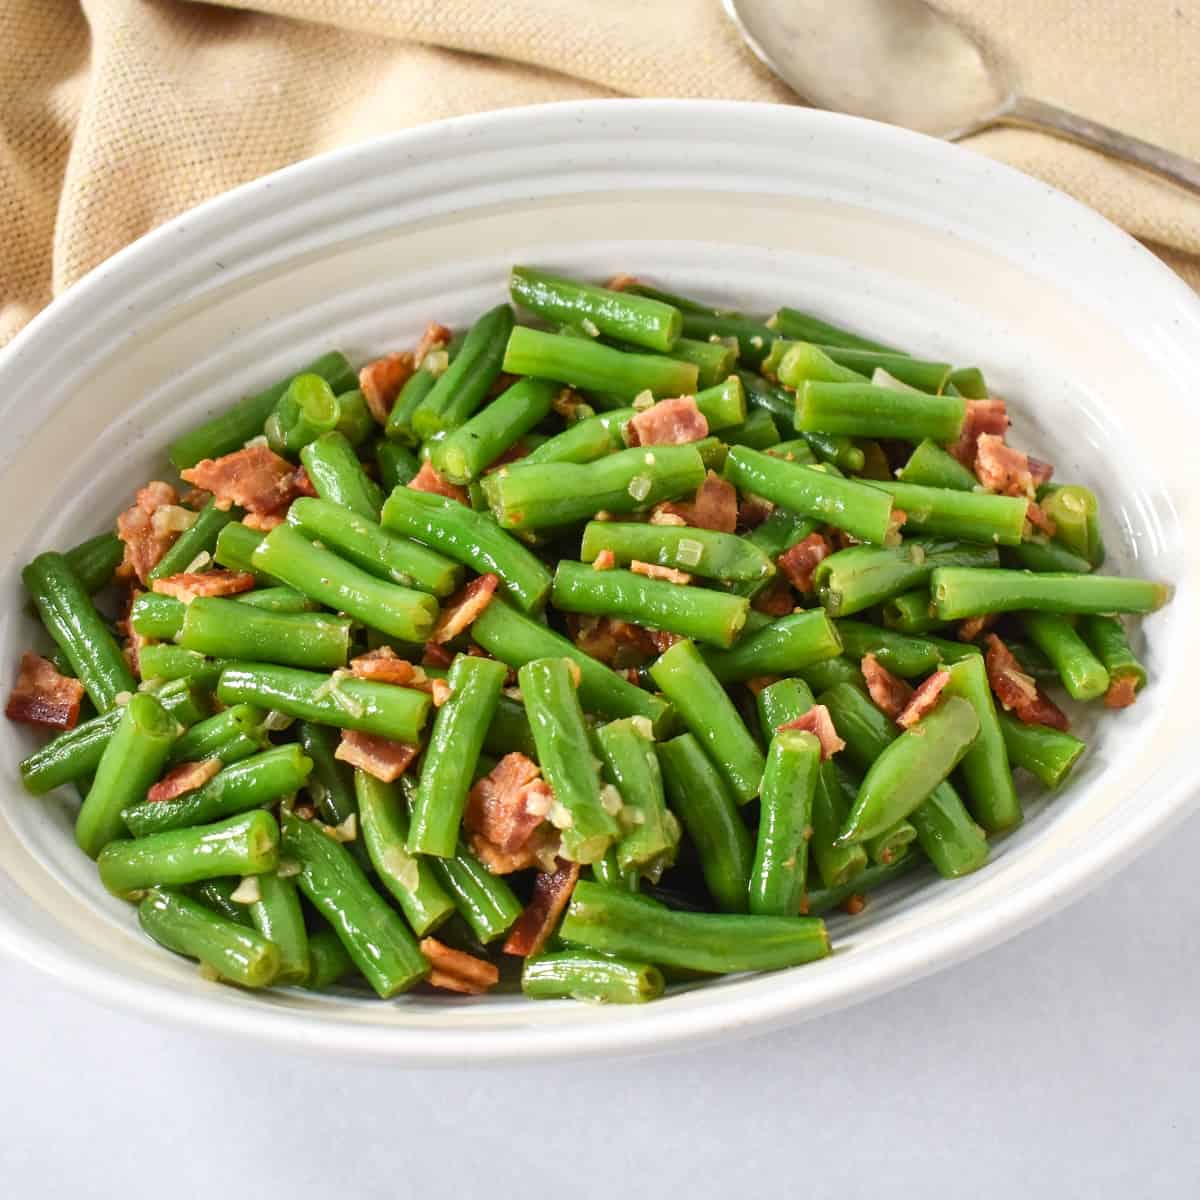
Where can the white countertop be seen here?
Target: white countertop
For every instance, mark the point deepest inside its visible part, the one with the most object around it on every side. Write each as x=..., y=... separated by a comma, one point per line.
x=1062, y=1064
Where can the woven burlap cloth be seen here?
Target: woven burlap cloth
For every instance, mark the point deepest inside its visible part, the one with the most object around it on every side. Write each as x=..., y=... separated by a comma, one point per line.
x=117, y=114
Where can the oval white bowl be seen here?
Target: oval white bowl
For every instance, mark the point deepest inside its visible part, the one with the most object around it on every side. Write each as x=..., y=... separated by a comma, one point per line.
x=1095, y=344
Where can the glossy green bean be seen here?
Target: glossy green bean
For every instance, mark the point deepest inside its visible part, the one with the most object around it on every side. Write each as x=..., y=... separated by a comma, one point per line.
x=902, y=655
x=759, y=431
x=1075, y=512
x=1108, y=641
x=337, y=475
x=917, y=373
x=198, y=539
x=782, y=647
x=307, y=409
x=1081, y=672
x=1047, y=753
x=971, y=516
x=235, y=545
x=802, y=326
x=484, y=901
x=825, y=899
x=931, y=466
x=780, y=871
x=584, y=441
x=328, y=962
x=225, y=736
x=704, y=552
x=958, y=593
x=867, y=410
x=95, y=560
x=908, y=613
x=797, y=363
x=397, y=466
x=277, y=916
x=226, y=629
x=596, y=978
x=723, y=405
x=1043, y=556
x=650, y=832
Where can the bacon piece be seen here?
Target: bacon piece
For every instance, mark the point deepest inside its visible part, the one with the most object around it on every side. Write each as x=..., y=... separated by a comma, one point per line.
x=149, y=527
x=983, y=416
x=462, y=609
x=714, y=506
x=604, y=561
x=753, y=511
x=889, y=693
x=654, y=571
x=1018, y=692
x=187, y=585
x=435, y=337
x=454, y=971
x=551, y=891
x=619, y=283
x=799, y=562
x=186, y=777
x=1002, y=468
x=254, y=478
x=923, y=699
x=43, y=696
x=195, y=499
x=508, y=803
x=428, y=480
x=263, y=522
x=972, y=627
x=436, y=656
x=378, y=756
x=383, y=665
x=610, y=639
x=1038, y=517
x=567, y=403
x=382, y=380
x=1122, y=692
x=673, y=422
x=1042, y=472
x=817, y=721
x=776, y=599
x=302, y=484
x=663, y=639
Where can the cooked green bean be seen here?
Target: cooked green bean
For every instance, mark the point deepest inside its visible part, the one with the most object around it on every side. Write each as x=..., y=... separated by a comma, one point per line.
x=782, y=647
x=797, y=363
x=1107, y=638
x=958, y=593
x=825, y=899
x=598, y=978
x=1043, y=556
x=908, y=613
x=972, y=516
x=1076, y=516
x=917, y=373
x=276, y=915
x=328, y=962
x=198, y=539
x=703, y=552
x=1081, y=672
x=235, y=544
x=397, y=467
x=484, y=901
x=227, y=629
x=95, y=560
x=723, y=405
x=931, y=466
x=307, y=409
x=802, y=326
x=338, y=476
x=226, y=736
x=865, y=410
x=1045, y=752
x=650, y=832
x=902, y=655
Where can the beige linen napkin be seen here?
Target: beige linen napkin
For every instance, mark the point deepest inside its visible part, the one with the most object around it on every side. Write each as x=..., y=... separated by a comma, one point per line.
x=117, y=114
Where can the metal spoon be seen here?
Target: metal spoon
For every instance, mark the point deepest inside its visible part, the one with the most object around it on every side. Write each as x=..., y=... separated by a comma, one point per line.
x=903, y=62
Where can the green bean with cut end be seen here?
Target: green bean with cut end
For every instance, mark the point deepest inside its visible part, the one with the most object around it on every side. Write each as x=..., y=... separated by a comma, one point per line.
x=802, y=326
x=826, y=674
x=400, y=612
x=1075, y=512
x=238, y=955
x=338, y=476
x=132, y=760
x=782, y=647
x=1047, y=753
x=331, y=783
x=95, y=561
x=328, y=962
x=1108, y=641
x=236, y=544
x=902, y=655
x=226, y=629
x=217, y=894
x=398, y=427
x=759, y=431
x=970, y=383
x=707, y=711
x=231, y=735
x=886, y=847
x=198, y=539
x=373, y=933
x=867, y=410
x=777, y=534
x=78, y=630
x=397, y=466
x=931, y=466
x=917, y=373
x=713, y=359
x=472, y=539
x=971, y=516
x=509, y=731
x=307, y=409
x=278, y=599
x=484, y=901
x=156, y=616
x=704, y=552
x=583, y=442
x=650, y=831
x=591, y=977
x=723, y=405
x=277, y=916
x=958, y=593
x=752, y=337
x=448, y=764
x=614, y=922
x=247, y=844
x=797, y=363
x=797, y=450
x=1038, y=555
x=354, y=421
x=1081, y=672
x=408, y=877
x=162, y=662
x=908, y=613
x=825, y=899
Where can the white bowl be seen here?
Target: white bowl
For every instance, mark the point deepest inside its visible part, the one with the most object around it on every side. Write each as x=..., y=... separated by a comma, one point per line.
x=1095, y=344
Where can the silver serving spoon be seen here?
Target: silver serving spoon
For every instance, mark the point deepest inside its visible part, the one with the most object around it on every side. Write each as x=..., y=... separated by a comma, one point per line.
x=903, y=62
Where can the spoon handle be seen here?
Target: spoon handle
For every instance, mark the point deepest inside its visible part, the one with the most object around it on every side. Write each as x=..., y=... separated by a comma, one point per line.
x=1021, y=110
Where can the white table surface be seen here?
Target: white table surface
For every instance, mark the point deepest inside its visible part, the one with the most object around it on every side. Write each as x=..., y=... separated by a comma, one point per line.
x=1065, y=1063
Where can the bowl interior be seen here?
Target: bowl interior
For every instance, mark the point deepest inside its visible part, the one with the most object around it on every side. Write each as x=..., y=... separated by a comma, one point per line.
x=923, y=245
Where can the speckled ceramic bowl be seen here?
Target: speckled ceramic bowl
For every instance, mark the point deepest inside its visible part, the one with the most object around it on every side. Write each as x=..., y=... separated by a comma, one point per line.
x=1095, y=344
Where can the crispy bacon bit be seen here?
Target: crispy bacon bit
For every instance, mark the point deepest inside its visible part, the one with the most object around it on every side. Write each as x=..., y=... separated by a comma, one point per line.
x=454, y=971
x=923, y=699
x=799, y=563
x=1042, y=472
x=889, y=694
x=619, y=283
x=302, y=484
x=972, y=627
x=611, y=640
x=428, y=480
x=1122, y=692
x=1038, y=517
x=195, y=499
x=134, y=641
x=604, y=561
x=378, y=756
x=42, y=696
x=435, y=337
x=263, y=522
x=754, y=510
x=714, y=506
x=664, y=514
x=465, y=607
x=382, y=380
x=567, y=403
x=983, y=416
x=673, y=422
x=662, y=639
x=896, y=521
x=817, y=721
x=654, y=571
x=1018, y=692
x=148, y=528
x=551, y=891
x=776, y=599
x=186, y=777
x=538, y=851
x=498, y=807
x=854, y=904
x=187, y=585
x=436, y=656
x=1002, y=468
x=383, y=666
x=255, y=479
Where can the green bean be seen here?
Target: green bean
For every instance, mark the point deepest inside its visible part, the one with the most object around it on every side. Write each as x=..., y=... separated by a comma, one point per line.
x=797, y=363
x=862, y=576
x=824, y=675
x=241, y=956
x=338, y=476
x=217, y=894
x=1081, y=672
x=796, y=451
x=380, y=708
x=802, y=326
x=373, y=934
x=551, y=494
x=931, y=466
x=235, y=544
x=972, y=516
x=651, y=832
x=723, y=405
x=95, y=560
x=1033, y=661
x=584, y=441
x=131, y=761
x=958, y=592
x=229, y=732
x=400, y=612
x=1106, y=637
x=784, y=646
x=1045, y=752
x=330, y=784
x=587, y=364
x=752, y=337
x=354, y=422
x=970, y=383
x=825, y=899
x=778, y=533
x=886, y=847
x=697, y=694
x=985, y=768
x=448, y=765
x=1075, y=512
x=713, y=360
x=579, y=975
x=378, y=552
x=509, y=731
x=707, y=808
x=917, y=373
x=276, y=915
x=484, y=901
x=623, y=315
x=566, y=758
x=602, y=918
x=198, y=539
x=709, y=616
x=780, y=869
x=232, y=429
x=227, y=629
x=902, y=655
x=408, y=877
x=328, y=961
x=472, y=539
x=908, y=613
x=165, y=662
x=397, y=467
x=252, y=783
x=758, y=431
x=156, y=616
x=278, y=599
x=865, y=410
x=682, y=303
x=858, y=508
x=78, y=630
x=704, y=552
x=516, y=639
x=243, y=845
x=307, y=409
x=1043, y=556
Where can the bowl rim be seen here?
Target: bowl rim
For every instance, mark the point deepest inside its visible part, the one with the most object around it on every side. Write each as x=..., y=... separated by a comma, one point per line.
x=775, y=999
